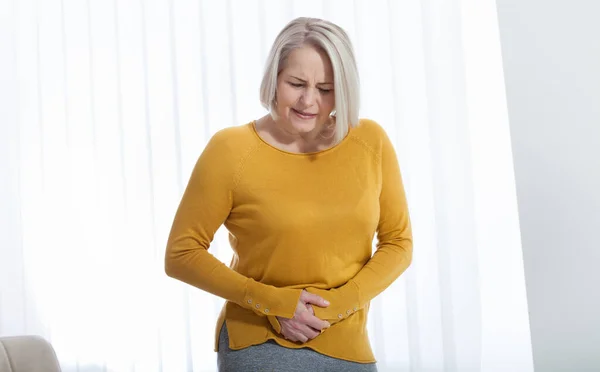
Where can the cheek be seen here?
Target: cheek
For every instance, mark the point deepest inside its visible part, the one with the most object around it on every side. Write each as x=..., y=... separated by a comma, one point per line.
x=329, y=103
x=285, y=96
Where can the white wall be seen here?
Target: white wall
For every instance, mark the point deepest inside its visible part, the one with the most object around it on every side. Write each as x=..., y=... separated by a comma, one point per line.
x=551, y=52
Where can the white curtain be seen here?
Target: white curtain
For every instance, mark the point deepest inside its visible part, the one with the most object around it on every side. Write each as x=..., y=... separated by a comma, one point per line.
x=106, y=105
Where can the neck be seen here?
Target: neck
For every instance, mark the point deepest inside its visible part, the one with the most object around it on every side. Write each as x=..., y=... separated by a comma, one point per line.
x=301, y=142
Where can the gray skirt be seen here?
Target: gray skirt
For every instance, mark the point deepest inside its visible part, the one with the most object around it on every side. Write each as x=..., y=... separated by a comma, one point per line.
x=271, y=356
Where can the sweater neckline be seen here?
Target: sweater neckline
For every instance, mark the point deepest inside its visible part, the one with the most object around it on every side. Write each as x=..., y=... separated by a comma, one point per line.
x=299, y=154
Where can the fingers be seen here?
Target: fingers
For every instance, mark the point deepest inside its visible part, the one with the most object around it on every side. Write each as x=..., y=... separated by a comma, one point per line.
x=297, y=331
x=311, y=298
x=304, y=325
x=312, y=321
x=300, y=333
x=307, y=331
x=290, y=331
x=308, y=317
x=310, y=309
x=295, y=337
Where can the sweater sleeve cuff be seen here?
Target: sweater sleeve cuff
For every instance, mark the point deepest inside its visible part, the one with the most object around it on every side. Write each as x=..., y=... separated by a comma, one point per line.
x=344, y=301
x=274, y=323
x=268, y=300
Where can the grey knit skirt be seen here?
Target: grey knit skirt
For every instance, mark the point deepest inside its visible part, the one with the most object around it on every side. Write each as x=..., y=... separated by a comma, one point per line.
x=270, y=356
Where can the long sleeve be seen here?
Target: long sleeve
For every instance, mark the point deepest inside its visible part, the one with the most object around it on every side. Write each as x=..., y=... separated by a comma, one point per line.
x=393, y=253
x=204, y=207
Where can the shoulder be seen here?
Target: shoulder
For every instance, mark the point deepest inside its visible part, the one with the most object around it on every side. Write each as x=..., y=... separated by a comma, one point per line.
x=232, y=138
x=231, y=143
x=371, y=135
x=369, y=130
x=224, y=154
x=228, y=148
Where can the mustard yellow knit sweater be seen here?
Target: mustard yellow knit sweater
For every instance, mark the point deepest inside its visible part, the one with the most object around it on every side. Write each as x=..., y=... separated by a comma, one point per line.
x=296, y=221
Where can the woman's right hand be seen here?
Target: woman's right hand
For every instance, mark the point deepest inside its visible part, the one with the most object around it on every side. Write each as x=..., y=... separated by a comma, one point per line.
x=304, y=325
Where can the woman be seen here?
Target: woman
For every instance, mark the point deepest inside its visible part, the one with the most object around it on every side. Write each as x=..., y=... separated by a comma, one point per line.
x=302, y=192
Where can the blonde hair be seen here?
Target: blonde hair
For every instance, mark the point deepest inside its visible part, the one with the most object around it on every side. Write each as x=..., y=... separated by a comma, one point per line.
x=334, y=41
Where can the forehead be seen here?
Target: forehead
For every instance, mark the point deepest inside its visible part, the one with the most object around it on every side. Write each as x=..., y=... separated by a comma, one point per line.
x=308, y=62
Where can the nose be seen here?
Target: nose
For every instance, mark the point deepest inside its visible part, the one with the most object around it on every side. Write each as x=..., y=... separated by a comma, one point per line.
x=308, y=97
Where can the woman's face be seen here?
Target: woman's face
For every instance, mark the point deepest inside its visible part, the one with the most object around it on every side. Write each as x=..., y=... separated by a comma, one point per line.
x=305, y=95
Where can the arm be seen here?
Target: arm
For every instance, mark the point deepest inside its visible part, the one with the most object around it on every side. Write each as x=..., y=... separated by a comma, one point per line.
x=205, y=205
x=394, y=247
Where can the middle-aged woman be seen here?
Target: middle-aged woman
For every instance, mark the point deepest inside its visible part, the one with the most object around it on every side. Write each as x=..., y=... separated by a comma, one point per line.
x=302, y=192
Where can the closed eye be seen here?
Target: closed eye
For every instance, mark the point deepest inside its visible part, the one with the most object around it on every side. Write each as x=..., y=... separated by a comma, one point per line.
x=299, y=85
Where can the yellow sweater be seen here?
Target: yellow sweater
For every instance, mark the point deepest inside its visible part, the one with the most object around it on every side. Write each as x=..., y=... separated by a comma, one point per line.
x=296, y=221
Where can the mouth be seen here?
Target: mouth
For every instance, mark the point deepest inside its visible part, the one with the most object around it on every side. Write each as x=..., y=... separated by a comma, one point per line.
x=304, y=115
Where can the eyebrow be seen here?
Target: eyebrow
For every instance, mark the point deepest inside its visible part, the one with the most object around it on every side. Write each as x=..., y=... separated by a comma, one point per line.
x=304, y=81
